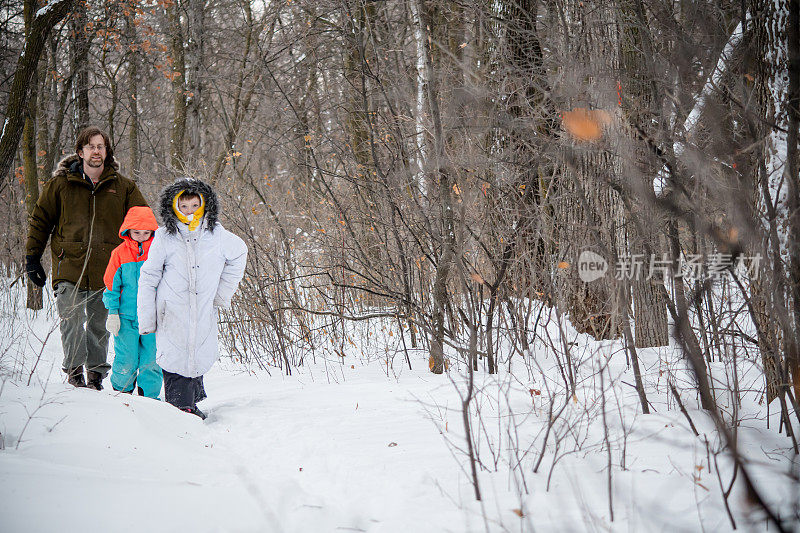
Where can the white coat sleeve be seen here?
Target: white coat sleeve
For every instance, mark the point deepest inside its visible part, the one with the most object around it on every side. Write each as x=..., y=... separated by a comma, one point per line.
x=235, y=251
x=149, y=278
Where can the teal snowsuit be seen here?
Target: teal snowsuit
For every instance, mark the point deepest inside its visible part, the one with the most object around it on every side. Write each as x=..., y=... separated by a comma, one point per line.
x=135, y=355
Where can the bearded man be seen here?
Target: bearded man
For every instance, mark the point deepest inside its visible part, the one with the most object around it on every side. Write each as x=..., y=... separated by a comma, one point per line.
x=82, y=207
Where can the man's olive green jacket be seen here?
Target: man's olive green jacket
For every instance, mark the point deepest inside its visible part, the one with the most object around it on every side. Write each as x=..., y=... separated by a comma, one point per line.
x=84, y=221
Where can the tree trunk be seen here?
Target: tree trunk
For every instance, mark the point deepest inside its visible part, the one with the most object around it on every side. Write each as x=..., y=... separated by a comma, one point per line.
x=59, y=111
x=43, y=100
x=641, y=105
x=683, y=327
x=29, y=153
x=111, y=76
x=177, y=78
x=793, y=181
x=133, y=95
x=436, y=36
x=194, y=78
x=630, y=346
x=17, y=106
x=80, y=65
x=768, y=285
x=356, y=46
x=588, y=215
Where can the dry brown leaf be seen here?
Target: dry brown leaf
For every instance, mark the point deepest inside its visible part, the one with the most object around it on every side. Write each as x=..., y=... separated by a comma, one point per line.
x=585, y=124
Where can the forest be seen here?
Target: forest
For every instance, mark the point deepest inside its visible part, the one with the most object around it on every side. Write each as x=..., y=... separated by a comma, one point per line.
x=576, y=217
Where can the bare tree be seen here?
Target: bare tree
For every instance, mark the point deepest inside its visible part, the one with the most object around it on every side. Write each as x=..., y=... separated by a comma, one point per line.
x=29, y=153
x=17, y=106
x=177, y=76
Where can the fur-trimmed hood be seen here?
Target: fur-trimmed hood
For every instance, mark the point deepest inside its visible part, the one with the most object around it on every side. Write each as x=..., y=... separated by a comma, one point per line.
x=65, y=166
x=188, y=186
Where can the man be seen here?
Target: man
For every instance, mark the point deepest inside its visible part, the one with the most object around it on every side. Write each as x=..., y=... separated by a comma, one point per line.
x=82, y=207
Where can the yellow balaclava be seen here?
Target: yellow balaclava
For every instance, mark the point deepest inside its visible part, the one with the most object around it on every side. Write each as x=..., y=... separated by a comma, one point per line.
x=197, y=216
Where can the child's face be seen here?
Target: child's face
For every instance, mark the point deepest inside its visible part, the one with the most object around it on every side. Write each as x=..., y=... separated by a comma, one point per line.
x=140, y=235
x=187, y=207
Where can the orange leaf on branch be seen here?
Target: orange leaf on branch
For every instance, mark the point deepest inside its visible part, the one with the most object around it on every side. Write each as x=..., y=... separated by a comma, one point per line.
x=585, y=124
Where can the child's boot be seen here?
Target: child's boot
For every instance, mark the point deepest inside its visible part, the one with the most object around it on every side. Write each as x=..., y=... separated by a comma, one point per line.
x=195, y=411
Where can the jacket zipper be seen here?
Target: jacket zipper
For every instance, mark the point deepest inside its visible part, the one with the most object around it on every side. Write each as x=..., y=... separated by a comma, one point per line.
x=192, y=305
x=92, y=214
x=58, y=266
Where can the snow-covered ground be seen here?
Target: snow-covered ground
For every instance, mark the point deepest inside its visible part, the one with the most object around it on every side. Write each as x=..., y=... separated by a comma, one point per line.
x=358, y=445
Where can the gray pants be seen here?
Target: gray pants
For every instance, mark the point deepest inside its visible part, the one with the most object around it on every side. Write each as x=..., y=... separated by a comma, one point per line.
x=83, y=327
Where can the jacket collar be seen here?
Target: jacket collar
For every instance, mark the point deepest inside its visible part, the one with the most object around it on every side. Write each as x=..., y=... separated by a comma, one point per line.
x=76, y=175
x=183, y=229
x=134, y=246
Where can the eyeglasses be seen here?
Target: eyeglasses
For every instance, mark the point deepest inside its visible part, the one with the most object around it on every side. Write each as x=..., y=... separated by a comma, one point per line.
x=97, y=147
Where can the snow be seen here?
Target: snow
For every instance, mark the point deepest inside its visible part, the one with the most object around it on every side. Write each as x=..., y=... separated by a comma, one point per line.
x=48, y=7
x=362, y=443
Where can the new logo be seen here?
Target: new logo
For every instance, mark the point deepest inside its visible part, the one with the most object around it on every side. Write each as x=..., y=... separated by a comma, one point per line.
x=591, y=266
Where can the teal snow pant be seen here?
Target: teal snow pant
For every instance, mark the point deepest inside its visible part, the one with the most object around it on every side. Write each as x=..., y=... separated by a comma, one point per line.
x=135, y=361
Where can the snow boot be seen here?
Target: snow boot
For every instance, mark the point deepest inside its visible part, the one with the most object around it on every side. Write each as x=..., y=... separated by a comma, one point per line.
x=195, y=411
x=94, y=380
x=135, y=389
x=75, y=377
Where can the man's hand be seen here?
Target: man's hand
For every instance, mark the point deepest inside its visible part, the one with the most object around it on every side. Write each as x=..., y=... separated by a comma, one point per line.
x=33, y=267
x=112, y=324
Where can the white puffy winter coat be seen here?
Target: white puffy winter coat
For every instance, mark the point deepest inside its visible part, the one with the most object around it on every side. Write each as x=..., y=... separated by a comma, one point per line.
x=186, y=277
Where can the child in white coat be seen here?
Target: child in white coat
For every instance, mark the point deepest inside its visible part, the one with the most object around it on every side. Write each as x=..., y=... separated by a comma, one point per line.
x=193, y=269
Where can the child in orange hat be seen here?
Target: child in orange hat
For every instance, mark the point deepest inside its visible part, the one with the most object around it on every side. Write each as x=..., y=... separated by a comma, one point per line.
x=134, y=354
